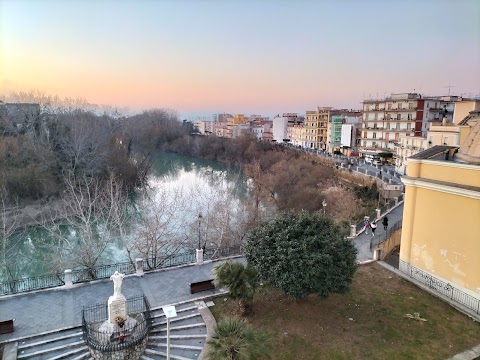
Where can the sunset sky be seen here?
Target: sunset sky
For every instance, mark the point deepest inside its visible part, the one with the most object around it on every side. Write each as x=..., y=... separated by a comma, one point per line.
x=261, y=57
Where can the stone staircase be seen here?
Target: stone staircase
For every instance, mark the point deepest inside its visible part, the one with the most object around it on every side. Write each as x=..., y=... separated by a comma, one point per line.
x=187, y=338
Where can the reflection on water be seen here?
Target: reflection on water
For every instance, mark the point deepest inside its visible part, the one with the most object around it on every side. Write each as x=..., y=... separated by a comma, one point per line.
x=179, y=189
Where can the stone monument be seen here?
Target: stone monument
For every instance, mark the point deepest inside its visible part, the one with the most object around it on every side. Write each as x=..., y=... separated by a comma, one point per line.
x=118, y=319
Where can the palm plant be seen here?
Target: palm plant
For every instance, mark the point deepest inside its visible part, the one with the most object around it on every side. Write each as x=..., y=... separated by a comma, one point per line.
x=241, y=282
x=234, y=339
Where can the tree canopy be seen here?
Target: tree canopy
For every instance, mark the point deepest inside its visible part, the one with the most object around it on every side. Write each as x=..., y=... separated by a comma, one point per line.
x=302, y=254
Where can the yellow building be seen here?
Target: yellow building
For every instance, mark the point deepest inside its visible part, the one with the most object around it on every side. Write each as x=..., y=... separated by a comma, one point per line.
x=237, y=119
x=463, y=108
x=440, y=243
x=316, y=126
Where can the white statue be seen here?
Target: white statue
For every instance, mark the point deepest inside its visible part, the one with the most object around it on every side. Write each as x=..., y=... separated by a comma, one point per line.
x=117, y=284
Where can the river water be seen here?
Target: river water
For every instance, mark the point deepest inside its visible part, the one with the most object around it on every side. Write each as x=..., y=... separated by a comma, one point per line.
x=179, y=189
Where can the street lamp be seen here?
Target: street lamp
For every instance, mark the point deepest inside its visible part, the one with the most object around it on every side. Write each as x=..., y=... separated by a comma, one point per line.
x=324, y=204
x=199, y=222
x=169, y=312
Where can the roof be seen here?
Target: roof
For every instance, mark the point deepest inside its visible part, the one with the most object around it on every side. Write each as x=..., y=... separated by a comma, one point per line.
x=435, y=153
x=470, y=149
x=473, y=115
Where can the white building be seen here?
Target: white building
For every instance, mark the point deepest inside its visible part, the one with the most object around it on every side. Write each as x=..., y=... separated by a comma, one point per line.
x=386, y=120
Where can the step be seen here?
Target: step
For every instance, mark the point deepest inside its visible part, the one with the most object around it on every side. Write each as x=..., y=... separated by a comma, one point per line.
x=177, y=319
x=57, y=348
x=43, y=342
x=177, y=328
x=177, y=346
x=164, y=354
x=164, y=337
x=159, y=314
x=62, y=356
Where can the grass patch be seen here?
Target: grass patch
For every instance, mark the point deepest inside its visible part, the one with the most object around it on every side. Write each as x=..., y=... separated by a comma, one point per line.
x=367, y=323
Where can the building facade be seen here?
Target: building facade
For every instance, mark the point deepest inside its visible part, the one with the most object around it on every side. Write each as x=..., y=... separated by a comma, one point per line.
x=441, y=227
x=386, y=120
x=316, y=127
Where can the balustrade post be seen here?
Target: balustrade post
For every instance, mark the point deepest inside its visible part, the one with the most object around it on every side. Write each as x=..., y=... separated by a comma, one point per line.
x=396, y=200
x=68, y=278
x=139, y=267
x=199, y=256
x=353, y=230
x=378, y=213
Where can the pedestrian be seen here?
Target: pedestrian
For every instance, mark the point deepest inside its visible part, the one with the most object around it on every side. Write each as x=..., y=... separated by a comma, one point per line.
x=385, y=223
x=367, y=226
x=373, y=225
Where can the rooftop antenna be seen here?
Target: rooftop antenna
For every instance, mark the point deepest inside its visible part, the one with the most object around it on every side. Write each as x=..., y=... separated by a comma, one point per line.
x=449, y=88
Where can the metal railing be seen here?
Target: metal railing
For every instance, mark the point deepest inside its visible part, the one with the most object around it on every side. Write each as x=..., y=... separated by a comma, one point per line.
x=222, y=252
x=174, y=259
x=102, y=272
x=384, y=237
x=186, y=256
x=123, y=337
x=441, y=287
x=31, y=283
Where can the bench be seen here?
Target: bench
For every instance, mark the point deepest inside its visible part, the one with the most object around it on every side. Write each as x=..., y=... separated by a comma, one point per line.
x=202, y=286
x=6, y=326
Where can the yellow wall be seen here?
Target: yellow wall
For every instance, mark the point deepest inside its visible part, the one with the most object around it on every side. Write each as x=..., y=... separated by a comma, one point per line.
x=462, y=108
x=445, y=171
x=441, y=235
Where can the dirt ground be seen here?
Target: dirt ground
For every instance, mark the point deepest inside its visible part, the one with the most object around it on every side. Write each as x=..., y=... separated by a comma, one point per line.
x=368, y=322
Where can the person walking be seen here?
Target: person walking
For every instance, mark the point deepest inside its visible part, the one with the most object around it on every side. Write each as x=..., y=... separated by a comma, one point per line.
x=373, y=225
x=367, y=226
x=385, y=223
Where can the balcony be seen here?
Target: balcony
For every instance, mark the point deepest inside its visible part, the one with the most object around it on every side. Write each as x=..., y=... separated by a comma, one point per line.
x=402, y=109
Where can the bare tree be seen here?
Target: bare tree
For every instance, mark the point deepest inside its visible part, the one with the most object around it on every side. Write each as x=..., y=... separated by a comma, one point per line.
x=9, y=245
x=93, y=213
x=160, y=232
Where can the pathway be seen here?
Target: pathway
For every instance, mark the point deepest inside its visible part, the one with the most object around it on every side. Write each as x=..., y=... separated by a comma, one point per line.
x=362, y=241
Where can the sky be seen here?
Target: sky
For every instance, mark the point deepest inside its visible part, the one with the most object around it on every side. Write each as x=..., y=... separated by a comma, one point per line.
x=262, y=57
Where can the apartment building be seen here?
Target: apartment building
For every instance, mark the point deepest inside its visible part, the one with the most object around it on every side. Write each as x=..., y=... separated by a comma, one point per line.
x=280, y=125
x=260, y=129
x=295, y=133
x=386, y=120
x=315, y=134
x=222, y=118
x=232, y=122
x=445, y=133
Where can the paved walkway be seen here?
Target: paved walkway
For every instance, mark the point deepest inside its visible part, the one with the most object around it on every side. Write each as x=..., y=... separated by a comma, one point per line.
x=362, y=241
x=45, y=310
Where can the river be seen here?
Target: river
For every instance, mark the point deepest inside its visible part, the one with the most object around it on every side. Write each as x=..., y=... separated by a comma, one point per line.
x=186, y=201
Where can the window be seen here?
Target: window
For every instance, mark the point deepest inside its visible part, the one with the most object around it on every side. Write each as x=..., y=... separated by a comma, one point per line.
x=399, y=117
x=388, y=126
x=399, y=106
x=374, y=135
x=397, y=127
x=408, y=126
x=409, y=116
x=445, y=140
x=410, y=105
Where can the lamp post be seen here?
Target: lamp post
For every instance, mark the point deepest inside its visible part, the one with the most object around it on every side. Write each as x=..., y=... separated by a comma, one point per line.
x=324, y=204
x=199, y=223
x=169, y=312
